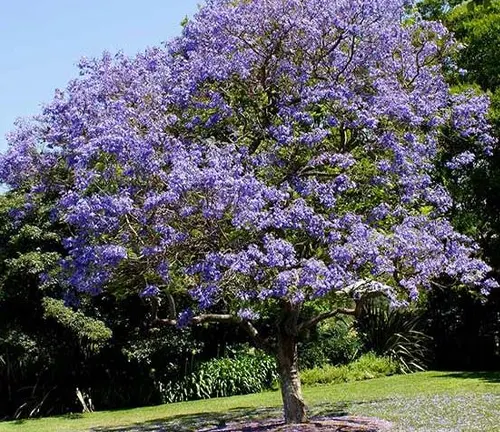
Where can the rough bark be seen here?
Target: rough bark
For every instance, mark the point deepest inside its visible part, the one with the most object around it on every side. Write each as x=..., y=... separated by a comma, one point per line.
x=285, y=351
x=288, y=368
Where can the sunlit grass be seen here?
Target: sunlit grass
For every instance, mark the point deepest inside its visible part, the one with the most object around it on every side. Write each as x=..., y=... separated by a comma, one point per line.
x=430, y=401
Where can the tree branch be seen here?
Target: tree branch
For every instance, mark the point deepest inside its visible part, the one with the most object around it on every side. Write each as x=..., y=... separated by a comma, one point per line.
x=171, y=306
x=321, y=317
x=258, y=340
x=199, y=319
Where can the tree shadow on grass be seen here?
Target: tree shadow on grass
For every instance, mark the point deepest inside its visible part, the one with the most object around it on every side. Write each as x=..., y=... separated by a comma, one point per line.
x=212, y=422
x=490, y=377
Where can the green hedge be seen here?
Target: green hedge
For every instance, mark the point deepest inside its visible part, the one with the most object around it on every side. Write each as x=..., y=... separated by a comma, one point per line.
x=246, y=372
x=366, y=367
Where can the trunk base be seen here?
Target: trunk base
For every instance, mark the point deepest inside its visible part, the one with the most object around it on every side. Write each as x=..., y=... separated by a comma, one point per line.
x=293, y=403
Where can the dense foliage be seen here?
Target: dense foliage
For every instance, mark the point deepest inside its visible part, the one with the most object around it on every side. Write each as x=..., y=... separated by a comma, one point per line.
x=477, y=26
x=368, y=366
x=164, y=179
x=242, y=373
x=465, y=327
x=334, y=342
x=49, y=350
x=397, y=334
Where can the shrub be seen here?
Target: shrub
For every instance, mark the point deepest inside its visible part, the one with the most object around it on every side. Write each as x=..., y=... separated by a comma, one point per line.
x=247, y=372
x=395, y=333
x=366, y=367
x=335, y=343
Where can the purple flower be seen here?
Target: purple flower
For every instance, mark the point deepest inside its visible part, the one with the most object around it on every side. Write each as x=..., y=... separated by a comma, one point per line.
x=185, y=318
x=163, y=270
x=463, y=159
x=150, y=291
x=247, y=314
x=260, y=155
x=113, y=254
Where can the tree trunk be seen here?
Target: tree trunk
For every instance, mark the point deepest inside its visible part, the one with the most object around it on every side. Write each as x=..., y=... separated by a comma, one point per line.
x=291, y=391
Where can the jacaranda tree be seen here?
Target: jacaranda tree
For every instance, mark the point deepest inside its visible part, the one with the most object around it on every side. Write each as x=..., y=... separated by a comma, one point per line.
x=279, y=153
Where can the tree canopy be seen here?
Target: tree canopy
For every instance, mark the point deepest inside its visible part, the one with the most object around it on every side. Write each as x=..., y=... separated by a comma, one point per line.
x=276, y=153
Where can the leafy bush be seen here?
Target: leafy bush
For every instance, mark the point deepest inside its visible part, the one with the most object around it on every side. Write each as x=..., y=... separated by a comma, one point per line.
x=368, y=366
x=247, y=372
x=395, y=333
x=85, y=328
x=335, y=343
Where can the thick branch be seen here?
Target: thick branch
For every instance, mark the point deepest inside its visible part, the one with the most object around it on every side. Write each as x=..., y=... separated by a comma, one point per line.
x=171, y=306
x=217, y=318
x=321, y=317
x=155, y=306
x=164, y=322
x=254, y=334
x=258, y=340
x=199, y=319
x=349, y=60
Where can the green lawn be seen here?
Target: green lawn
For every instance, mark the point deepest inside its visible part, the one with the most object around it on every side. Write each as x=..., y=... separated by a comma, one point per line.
x=424, y=402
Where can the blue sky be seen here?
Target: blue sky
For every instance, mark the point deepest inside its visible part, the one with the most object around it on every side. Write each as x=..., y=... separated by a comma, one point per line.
x=42, y=40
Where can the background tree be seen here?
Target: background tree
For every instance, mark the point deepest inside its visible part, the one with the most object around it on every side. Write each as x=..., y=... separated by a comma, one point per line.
x=48, y=349
x=475, y=187
x=279, y=154
x=464, y=326
x=477, y=26
x=42, y=342
x=436, y=9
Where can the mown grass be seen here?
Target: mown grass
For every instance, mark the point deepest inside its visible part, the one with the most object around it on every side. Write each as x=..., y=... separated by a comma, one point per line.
x=423, y=402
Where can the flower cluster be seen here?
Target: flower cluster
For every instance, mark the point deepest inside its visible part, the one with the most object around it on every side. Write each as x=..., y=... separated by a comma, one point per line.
x=276, y=149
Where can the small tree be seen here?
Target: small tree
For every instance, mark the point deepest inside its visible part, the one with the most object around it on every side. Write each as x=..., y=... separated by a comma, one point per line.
x=277, y=154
